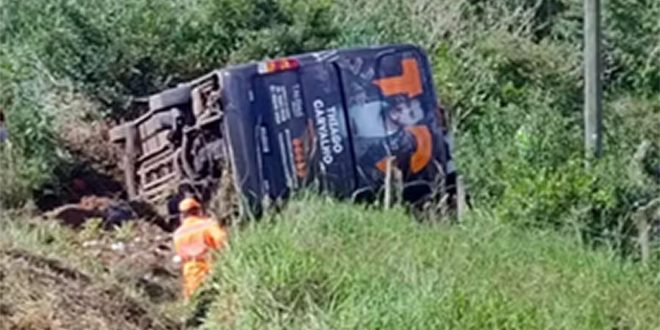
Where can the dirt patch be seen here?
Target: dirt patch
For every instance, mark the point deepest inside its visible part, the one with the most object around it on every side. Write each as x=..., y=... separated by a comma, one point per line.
x=40, y=293
x=85, y=132
x=76, y=214
x=144, y=257
x=96, y=170
x=94, y=163
x=113, y=212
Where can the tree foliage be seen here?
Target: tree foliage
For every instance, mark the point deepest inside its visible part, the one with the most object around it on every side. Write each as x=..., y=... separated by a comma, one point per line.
x=510, y=71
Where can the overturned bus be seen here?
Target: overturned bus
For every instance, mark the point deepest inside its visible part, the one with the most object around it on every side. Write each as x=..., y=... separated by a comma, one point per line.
x=338, y=120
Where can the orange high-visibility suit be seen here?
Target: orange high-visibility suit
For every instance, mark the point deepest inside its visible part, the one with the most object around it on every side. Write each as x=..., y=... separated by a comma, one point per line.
x=194, y=241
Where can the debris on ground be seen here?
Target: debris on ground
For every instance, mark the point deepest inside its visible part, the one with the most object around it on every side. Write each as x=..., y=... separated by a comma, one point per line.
x=146, y=254
x=112, y=212
x=41, y=293
x=38, y=292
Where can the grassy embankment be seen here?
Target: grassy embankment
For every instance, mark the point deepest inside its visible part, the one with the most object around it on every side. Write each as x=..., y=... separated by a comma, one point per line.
x=327, y=265
x=52, y=277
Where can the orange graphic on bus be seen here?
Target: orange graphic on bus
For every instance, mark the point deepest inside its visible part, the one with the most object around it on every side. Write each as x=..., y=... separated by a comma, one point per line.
x=299, y=157
x=422, y=155
x=409, y=82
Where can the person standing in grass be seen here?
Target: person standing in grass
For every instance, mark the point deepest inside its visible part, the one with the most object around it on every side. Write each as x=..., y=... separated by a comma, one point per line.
x=194, y=241
x=3, y=128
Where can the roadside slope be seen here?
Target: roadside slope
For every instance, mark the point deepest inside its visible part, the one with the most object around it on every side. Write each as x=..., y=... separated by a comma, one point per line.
x=52, y=277
x=327, y=265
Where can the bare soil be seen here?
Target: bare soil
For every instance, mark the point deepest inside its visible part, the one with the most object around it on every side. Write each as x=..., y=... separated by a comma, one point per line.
x=144, y=258
x=40, y=293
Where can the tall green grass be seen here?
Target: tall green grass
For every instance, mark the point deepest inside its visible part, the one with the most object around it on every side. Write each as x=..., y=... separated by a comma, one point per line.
x=509, y=72
x=328, y=265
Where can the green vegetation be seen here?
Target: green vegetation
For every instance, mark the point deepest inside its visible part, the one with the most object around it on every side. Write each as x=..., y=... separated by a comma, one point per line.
x=509, y=72
x=327, y=265
x=323, y=264
x=54, y=53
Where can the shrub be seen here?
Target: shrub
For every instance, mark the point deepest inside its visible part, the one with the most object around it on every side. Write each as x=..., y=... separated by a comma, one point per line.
x=32, y=155
x=509, y=70
x=14, y=190
x=115, y=50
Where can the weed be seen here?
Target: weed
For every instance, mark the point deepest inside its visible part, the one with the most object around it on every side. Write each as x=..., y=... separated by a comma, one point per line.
x=125, y=231
x=92, y=229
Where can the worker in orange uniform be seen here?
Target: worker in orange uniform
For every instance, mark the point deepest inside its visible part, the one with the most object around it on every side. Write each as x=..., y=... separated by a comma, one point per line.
x=194, y=241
